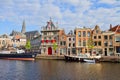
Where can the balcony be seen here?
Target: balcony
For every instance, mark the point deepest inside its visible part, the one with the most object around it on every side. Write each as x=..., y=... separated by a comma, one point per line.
x=51, y=29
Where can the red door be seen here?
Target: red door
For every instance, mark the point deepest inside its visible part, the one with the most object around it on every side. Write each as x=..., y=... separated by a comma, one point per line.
x=49, y=51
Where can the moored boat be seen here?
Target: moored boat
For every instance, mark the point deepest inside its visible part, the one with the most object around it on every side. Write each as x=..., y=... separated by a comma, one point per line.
x=19, y=55
x=82, y=58
x=75, y=58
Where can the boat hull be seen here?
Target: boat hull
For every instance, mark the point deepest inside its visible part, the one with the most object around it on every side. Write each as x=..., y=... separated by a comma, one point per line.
x=80, y=59
x=73, y=58
x=21, y=56
x=89, y=61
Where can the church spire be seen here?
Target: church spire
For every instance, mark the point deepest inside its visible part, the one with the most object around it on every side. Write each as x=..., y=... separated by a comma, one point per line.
x=23, y=27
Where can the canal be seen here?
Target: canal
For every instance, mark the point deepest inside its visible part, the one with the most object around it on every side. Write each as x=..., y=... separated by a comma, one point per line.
x=57, y=70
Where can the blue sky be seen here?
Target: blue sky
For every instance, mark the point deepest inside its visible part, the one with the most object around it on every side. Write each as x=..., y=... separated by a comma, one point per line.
x=67, y=13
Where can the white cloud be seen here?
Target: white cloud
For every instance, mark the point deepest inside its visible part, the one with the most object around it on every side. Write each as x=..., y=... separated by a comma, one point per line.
x=108, y=1
x=38, y=12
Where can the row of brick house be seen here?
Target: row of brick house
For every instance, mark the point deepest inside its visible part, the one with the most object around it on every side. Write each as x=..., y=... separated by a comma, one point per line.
x=106, y=43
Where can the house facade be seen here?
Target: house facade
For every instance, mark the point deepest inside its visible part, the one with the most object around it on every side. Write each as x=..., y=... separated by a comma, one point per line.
x=63, y=42
x=16, y=41
x=5, y=41
x=116, y=42
x=35, y=44
x=108, y=43
x=71, y=49
x=50, y=34
x=97, y=39
x=82, y=36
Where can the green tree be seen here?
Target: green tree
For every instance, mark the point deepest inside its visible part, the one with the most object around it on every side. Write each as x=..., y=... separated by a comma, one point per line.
x=90, y=44
x=55, y=46
x=28, y=45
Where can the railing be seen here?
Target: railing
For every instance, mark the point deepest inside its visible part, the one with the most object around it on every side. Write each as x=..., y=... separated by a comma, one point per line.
x=47, y=29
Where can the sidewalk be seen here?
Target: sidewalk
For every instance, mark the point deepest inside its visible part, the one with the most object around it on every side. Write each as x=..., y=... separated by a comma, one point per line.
x=110, y=59
x=54, y=57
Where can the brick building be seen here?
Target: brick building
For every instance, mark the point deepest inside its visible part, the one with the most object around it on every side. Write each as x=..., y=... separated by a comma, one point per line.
x=51, y=34
x=116, y=43
x=81, y=39
x=71, y=50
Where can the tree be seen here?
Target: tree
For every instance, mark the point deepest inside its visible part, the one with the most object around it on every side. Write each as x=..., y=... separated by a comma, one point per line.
x=90, y=44
x=28, y=45
x=55, y=46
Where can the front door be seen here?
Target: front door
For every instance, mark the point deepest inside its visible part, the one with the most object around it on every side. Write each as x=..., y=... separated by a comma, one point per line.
x=105, y=51
x=49, y=51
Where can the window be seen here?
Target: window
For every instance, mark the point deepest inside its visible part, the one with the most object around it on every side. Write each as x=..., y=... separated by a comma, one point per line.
x=73, y=44
x=88, y=34
x=64, y=50
x=84, y=34
x=95, y=43
x=110, y=49
x=45, y=33
x=3, y=42
x=85, y=50
x=95, y=37
x=73, y=39
x=69, y=39
x=49, y=38
x=69, y=44
x=110, y=37
x=99, y=43
x=79, y=42
x=73, y=51
x=97, y=31
x=54, y=33
x=84, y=43
x=105, y=37
x=117, y=39
x=79, y=50
x=99, y=37
x=117, y=49
x=79, y=34
x=44, y=38
x=64, y=43
x=111, y=43
x=61, y=43
x=105, y=43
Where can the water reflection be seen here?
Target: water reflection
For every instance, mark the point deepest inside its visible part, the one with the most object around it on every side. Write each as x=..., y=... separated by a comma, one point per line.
x=57, y=70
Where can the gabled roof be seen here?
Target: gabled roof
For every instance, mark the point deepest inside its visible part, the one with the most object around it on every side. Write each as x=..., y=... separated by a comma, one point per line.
x=4, y=36
x=115, y=29
x=15, y=33
x=32, y=32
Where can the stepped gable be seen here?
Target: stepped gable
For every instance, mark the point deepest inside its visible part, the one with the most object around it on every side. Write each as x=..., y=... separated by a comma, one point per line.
x=50, y=25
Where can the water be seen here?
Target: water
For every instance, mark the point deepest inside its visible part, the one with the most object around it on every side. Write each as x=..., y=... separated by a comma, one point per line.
x=57, y=70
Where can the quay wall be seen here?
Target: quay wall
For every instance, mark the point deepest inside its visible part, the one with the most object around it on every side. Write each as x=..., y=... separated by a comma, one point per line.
x=54, y=57
x=110, y=59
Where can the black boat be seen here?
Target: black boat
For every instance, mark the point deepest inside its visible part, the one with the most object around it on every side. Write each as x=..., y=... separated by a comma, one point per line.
x=18, y=56
x=73, y=58
x=82, y=58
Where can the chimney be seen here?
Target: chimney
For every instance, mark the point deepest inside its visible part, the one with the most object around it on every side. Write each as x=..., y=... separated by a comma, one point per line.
x=110, y=26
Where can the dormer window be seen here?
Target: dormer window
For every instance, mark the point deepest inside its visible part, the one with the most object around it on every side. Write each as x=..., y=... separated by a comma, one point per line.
x=88, y=34
x=79, y=34
x=84, y=34
x=97, y=31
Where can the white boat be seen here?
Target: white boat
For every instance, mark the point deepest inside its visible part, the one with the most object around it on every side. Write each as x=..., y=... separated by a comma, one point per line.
x=90, y=60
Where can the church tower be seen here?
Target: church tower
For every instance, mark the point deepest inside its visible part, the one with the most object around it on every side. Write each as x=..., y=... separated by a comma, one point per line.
x=23, y=27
